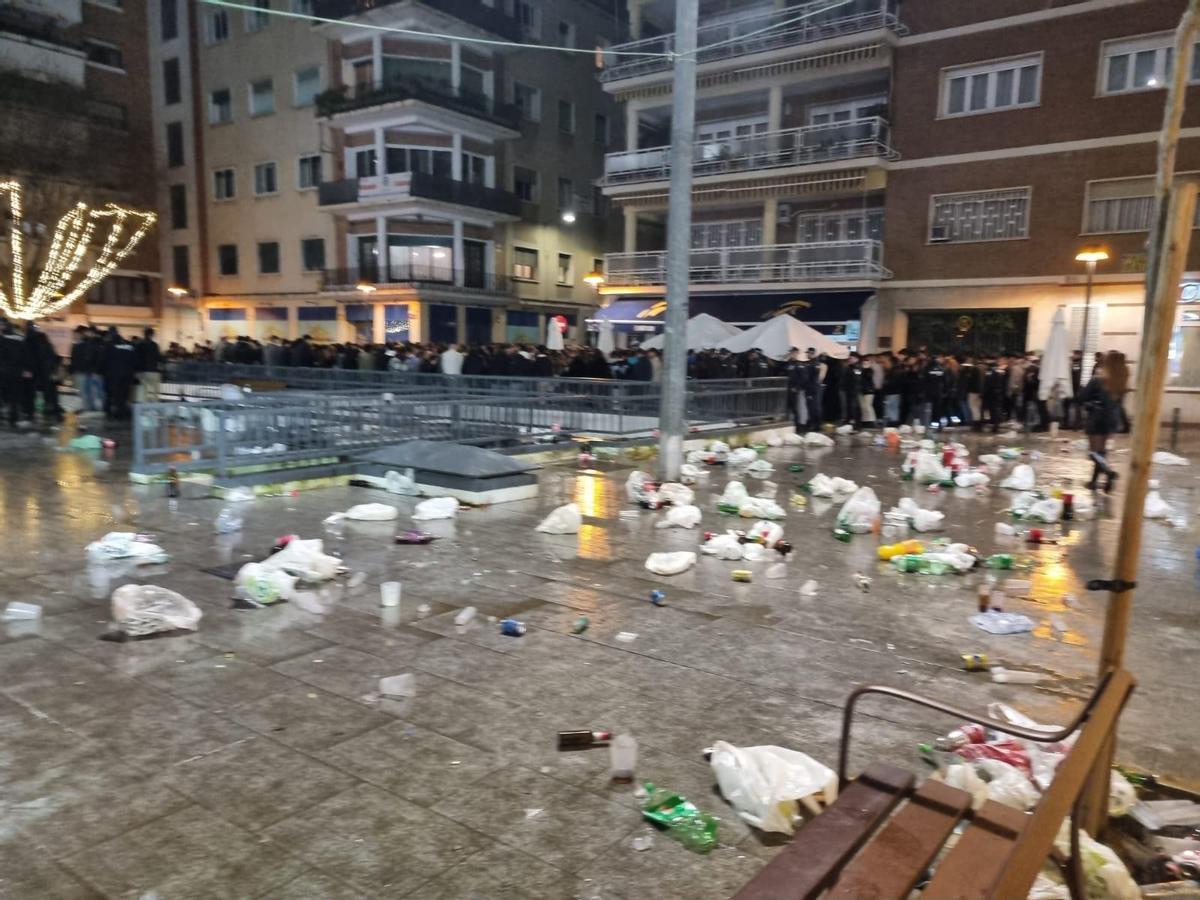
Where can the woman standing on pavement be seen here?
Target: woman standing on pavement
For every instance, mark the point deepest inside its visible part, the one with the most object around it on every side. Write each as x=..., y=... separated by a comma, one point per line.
x=1100, y=401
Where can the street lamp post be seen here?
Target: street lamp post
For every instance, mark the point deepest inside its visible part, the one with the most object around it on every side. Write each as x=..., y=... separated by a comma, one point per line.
x=1089, y=257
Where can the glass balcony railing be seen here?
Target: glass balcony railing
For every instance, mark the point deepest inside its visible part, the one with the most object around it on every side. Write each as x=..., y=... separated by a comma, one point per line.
x=427, y=90
x=415, y=273
x=418, y=185
x=774, y=263
x=811, y=144
x=795, y=25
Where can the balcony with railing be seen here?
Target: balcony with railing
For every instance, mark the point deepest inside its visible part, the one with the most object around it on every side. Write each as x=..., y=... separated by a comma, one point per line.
x=793, y=26
x=349, y=98
x=417, y=274
x=770, y=264
x=418, y=186
x=810, y=145
x=470, y=11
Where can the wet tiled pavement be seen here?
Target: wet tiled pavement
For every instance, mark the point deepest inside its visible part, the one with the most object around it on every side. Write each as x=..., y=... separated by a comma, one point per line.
x=250, y=759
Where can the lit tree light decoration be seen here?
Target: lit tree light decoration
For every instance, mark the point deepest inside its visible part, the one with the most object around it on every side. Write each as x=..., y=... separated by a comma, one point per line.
x=67, y=254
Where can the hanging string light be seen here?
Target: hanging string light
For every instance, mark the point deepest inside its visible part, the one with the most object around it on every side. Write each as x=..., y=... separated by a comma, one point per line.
x=69, y=246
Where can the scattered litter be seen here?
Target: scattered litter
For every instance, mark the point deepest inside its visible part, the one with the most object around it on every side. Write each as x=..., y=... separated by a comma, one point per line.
x=580, y=625
x=1002, y=623
x=398, y=685
x=822, y=485
x=389, y=594
x=766, y=784
x=415, y=537
x=126, y=545
x=658, y=598
x=742, y=456
x=761, y=508
x=464, y=616
x=403, y=483
x=685, y=516
x=734, y=494
x=863, y=582
x=816, y=439
x=227, y=521
x=1000, y=675
x=85, y=442
x=808, y=589
x=724, y=546
x=436, y=508
x=860, y=513
x=1163, y=458
x=1156, y=507
x=512, y=628
x=642, y=842
x=627, y=637
x=16, y=611
x=676, y=493
x=745, y=576
x=694, y=829
x=1022, y=478
x=372, y=512
x=670, y=563
x=143, y=609
x=563, y=520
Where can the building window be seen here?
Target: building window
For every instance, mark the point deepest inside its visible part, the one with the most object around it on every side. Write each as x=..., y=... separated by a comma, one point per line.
x=179, y=212
x=979, y=216
x=529, y=17
x=227, y=259
x=366, y=163
x=102, y=53
x=1122, y=204
x=525, y=263
x=262, y=97
x=528, y=100
x=847, y=110
x=120, y=290
x=169, y=19
x=566, y=34
x=566, y=273
x=268, y=258
x=1141, y=63
x=265, y=181
x=306, y=86
x=220, y=106
x=172, y=89
x=312, y=254
x=181, y=267
x=258, y=19
x=566, y=117
x=174, y=144
x=600, y=130
x=992, y=86
x=418, y=159
x=216, y=27
x=566, y=194
x=303, y=7
x=598, y=264
x=309, y=175
x=474, y=168
x=525, y=184
x=224, y=185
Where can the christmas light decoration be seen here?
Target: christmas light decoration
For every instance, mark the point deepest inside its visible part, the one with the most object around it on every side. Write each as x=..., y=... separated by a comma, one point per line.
x=69, y=245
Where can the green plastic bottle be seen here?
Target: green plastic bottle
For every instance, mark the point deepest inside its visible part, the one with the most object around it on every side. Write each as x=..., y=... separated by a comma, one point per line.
x=999, y=561
x=842, y=534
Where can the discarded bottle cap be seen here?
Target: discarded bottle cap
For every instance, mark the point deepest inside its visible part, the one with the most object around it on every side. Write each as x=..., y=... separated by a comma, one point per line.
x=658, y=598
x=743, y=575
x=512, y=628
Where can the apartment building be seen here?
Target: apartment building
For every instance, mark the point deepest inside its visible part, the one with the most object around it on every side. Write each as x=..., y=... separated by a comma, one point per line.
x=75, y=127
x=353, y=177
x=790, y=167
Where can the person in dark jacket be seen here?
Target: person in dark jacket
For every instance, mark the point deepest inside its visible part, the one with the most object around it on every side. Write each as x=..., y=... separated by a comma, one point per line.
x=120, y=368
x=1071, y=407
x=814, y=387
x=149, y=365
x=1031, y=400
x=796, y=371
x=851, y=385
x=84, y=367
x=15, y=370
x=302, y=354
x=757, y=365
x=970, y=390
x=995, y=383
x=1101, y=402
x=46, y=367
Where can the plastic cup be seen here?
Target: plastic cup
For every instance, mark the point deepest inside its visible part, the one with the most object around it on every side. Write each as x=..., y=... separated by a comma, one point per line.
x=389, y=593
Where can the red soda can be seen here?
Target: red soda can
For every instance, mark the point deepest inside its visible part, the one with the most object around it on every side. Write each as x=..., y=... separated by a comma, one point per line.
x=947, y=455
x=1035, y=535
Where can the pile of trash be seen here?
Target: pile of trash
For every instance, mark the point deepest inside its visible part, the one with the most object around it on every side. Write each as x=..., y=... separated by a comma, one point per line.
x=275, y=578
x=136, y=548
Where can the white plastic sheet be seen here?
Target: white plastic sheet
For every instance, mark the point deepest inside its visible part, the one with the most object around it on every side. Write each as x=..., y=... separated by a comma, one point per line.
x=816, y=439
x=125, y=545
x=566, y=519
x=971, y=479
x=1163, y=458
x=670, y=563
x=436, y=508
x=766, y=784
x=686, y=516
x=742, y=456
x=724, y=546
x=761, y=508
x=140, y=609
x=372, y=512
x=400, y=482
x=1048, y=510
x=735, y=492
x=1156, y=507
x=821, y=485
x=677, y=493
x=1021, y=479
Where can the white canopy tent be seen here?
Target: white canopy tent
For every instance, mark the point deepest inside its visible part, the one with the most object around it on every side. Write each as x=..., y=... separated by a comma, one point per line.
x=776, y=336
x=703, y=332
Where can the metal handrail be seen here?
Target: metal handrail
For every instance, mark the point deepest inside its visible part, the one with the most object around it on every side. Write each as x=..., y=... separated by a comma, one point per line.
x=831, y=260
x=351, y=97
x=766, y=31
x=806, y=145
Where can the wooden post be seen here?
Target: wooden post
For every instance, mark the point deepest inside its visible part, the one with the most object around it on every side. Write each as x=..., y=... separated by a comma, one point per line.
x=1170, y=234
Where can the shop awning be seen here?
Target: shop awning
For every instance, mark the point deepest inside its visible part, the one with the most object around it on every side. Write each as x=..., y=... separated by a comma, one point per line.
x=633, y=312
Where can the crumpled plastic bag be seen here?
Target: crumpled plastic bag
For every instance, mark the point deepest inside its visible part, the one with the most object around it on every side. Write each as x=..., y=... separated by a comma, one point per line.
x=959, y=560
x=742, y=456
x=766, y=784
x=971, y=479
x=845, y=429
x=635, y=485
x=927, y=468
x=239, y=495
x=265, y=585
x=793, y=439
x=436, y=508
x=125, y=545
x=1156, y=507
x=85, y=442
x=1048, y=510
x=1022, y=478
x=821, y=485
x=735, y=492
x=718, y=447
x=919, y=518
x=991, y=460
x=816, y=439
x=994, y=622
x=685, y=516
x=1163, y=458
x=761, y=508
x=565, y=519
x=860, y=511
x=1008, y=785
x=372, y=512
x=774, y=440
x=401, y=482
x=140, y=609
x=724, y=546
x=688, y=473
x=670, y=563
x=767, y=532
x=1105, y=876
x=760, y=467
x=676, y=493
x=1121, y=795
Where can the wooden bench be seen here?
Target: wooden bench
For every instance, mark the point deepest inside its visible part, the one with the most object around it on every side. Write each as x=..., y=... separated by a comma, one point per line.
x=879, y=838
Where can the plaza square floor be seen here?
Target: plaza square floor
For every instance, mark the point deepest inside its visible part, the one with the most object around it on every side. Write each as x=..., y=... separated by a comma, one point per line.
x=252, y=759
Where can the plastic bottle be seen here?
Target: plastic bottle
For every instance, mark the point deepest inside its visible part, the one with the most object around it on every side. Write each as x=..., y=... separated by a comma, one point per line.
x=1007, y=676
x=970, y=733
x=622, y=758
x=464, y=616
x=999, y=561
x=228, y=521
x=890, y=551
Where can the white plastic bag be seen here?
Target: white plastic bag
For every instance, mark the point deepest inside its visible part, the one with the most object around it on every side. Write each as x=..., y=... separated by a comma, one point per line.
x=1048, y=510
x=635, y=485
x=1156, y=507
x=1021, y=479
x=718, y=447
x=1163, y=458
x=1105, y=876
x=793, y=439
x=436, y=508
x=724, y=546
x=670, y=563
x=676, y=493
x=1008, y=785
x=929, y=469
x=822, y=485
x=860, y=511
x=141, y=609
x=742, y=456
x=845, y=429
x=686, y=516
x=761, y=508
x=265, y=585
x=766, y=784
x=971, y=479
x=991, y=460
x=774, y=440
x=760, y=467
x=563, y=520
x=735, y=492
x=125, y=545
x=767, y=532
x=920, y=518
x=372, y=512
x=816, y=439
x=400, y=482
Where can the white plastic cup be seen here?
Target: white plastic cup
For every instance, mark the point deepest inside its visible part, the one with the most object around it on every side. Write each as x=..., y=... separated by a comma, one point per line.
x=389, y=593
x=622, y=756
x=18, y=611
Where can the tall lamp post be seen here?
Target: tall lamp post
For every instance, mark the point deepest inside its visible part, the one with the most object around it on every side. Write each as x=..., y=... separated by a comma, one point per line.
x=1089, y=256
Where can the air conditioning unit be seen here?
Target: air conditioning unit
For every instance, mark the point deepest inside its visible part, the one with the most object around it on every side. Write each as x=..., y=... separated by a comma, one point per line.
x=783, y=213
x=939, y=234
